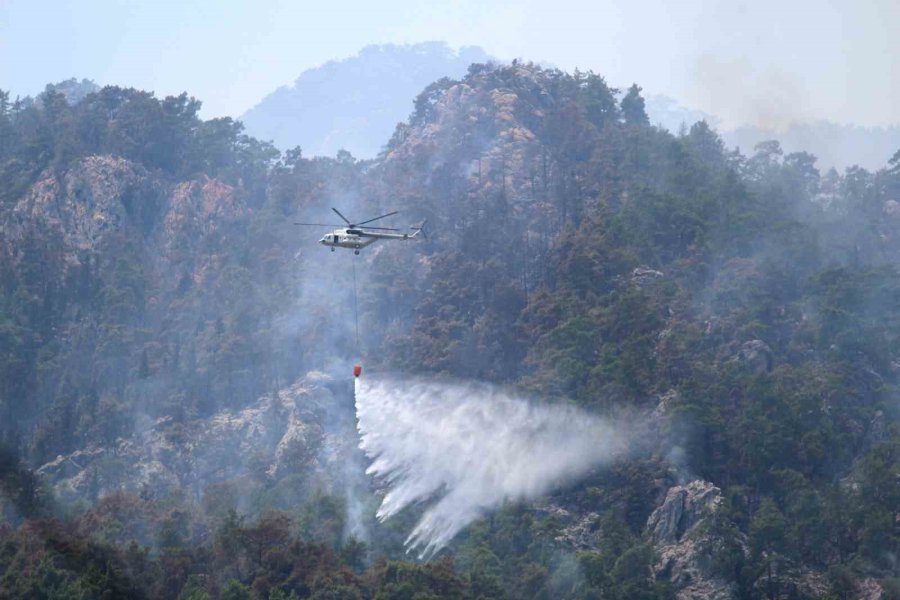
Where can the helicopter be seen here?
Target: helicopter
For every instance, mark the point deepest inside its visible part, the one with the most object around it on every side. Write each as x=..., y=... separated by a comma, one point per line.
x=356, y=236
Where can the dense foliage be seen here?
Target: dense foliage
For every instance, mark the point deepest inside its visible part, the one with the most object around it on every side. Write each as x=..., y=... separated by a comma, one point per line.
x=750, y=302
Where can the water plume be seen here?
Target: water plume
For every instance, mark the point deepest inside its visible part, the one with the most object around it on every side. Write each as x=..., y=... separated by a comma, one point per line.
x=467, y=448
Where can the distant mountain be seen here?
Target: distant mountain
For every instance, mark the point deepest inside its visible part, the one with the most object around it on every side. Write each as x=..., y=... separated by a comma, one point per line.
x=669, y=114
x=354, y=104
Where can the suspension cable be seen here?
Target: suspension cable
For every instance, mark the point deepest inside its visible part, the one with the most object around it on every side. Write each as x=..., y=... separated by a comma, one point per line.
x=355, y=303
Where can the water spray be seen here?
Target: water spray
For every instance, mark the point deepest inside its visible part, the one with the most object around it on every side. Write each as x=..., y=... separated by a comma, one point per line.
x=464, y=449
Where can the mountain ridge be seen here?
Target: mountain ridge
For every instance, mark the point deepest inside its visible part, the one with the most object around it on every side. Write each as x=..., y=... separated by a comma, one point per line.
x=354, y=103
x=740, y=308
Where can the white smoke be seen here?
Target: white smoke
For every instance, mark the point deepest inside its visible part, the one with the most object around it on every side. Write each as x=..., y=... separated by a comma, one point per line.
x=468, y=448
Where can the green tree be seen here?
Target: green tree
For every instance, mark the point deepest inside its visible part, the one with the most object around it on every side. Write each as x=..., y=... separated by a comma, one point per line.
x=632, y=106
x=768, y=543
x=235, y=590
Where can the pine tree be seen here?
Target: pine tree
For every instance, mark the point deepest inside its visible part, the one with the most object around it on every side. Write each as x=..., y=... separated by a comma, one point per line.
x=633, y=110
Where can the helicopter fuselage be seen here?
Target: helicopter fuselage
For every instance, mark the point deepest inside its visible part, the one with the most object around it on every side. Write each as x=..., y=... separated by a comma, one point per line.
x=357, y=238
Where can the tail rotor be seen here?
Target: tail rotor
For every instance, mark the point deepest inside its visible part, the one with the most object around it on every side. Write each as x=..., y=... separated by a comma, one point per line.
x=419, y=229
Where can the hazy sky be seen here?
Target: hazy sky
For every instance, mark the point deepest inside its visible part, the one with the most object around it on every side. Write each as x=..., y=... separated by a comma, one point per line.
x=762, y=61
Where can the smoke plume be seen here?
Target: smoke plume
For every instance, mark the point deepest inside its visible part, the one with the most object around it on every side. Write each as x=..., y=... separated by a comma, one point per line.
x=466, y=448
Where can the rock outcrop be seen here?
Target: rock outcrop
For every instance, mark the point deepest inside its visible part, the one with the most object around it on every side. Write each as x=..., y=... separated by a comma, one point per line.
x=102, y=194
x=869, y=589
x=98, y=194
x=756, y=356
x=278, y=434
x=681, y=535
x=642, y=276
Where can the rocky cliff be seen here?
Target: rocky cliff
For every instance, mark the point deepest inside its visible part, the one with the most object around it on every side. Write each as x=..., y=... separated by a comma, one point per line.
x=306, y=427
x=681, y=530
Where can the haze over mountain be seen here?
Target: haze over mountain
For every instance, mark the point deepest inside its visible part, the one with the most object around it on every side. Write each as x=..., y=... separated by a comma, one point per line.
x=176, y=419
x=647, y=347
x=354, y=104
x=834, y=145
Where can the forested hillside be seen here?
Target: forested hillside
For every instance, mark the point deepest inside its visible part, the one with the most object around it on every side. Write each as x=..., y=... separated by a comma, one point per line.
x=175, y=421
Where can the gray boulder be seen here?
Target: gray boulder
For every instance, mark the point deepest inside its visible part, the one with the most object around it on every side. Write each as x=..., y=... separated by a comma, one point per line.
x=756, y=356
x=685, y=543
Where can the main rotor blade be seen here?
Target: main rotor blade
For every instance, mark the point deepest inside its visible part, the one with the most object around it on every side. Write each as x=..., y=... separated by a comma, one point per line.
x=319, y=224
x=346, y=220
x=376, y=218
x=383, y=228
